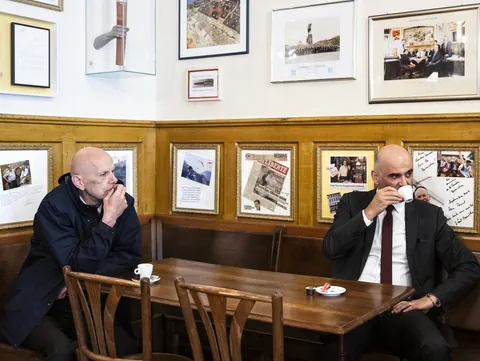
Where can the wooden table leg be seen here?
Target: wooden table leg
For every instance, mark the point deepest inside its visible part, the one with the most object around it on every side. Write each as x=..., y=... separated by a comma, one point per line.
x=342, y=355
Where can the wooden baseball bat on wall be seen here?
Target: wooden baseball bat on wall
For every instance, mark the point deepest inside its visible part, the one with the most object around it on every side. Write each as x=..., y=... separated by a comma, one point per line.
x=121, y=21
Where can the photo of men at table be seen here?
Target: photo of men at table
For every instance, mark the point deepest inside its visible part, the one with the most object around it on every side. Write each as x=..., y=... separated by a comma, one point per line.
x=424, y=51
x=350, y=169
x=455, y=164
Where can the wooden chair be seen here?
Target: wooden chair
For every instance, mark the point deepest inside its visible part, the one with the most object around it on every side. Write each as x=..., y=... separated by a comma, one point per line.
x=224, y=347
x=88, y=315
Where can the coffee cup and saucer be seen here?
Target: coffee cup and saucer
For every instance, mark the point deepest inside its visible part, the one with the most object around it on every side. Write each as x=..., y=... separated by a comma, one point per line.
x=145, y=270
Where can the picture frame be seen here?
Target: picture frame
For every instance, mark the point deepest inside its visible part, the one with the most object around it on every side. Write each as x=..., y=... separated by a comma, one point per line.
x=430, y=59
x=341, y=168
x=207, y=31
x=196, y=178
x=436, y=168
x=203, y=84
x=125, y=162
x=26, y=178
x=46, y=4
x=30, y=56
x=266, y=181
x=313, y=42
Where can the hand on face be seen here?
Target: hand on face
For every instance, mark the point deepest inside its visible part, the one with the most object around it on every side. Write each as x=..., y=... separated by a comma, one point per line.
x=114, y=204
x=383, y=198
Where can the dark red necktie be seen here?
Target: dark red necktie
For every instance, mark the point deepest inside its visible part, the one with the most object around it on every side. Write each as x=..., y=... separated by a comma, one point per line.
x=386, y=257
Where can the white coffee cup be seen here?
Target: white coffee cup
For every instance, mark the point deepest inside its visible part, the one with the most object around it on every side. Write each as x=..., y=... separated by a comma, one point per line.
x=144, y=270
x=407, y=193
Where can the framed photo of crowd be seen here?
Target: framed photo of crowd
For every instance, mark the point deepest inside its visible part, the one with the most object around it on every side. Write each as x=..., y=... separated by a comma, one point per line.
x=27, y=177
x=446, y=175
x=313, y=42
x=266, y=181
x=341, y=168
x=212, y=28
x=196, y=170
x=424, y=55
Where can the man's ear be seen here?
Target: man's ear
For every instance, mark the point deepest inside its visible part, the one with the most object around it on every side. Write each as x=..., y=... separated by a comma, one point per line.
x=78, y=182
x=375, y=177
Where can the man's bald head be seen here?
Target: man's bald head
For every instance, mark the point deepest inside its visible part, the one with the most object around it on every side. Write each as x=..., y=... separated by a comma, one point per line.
x=393, y=167
x=86, y=161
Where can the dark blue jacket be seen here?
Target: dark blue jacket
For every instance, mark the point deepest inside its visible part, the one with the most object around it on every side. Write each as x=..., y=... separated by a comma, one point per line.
x=67, y=232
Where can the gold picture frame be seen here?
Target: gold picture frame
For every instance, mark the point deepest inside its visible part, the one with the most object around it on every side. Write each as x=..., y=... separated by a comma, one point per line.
x=436, y=167
x=266, y=181
x=196, y=178
x=57, y=4
x=37, y=162
x=334, y=180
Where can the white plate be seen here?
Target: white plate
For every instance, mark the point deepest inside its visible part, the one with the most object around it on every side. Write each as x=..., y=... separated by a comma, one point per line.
x=153, y=279
x=332, y=291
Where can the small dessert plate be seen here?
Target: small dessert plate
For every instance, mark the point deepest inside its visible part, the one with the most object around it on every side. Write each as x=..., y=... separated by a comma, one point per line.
x=331, y=291
x=153, y=279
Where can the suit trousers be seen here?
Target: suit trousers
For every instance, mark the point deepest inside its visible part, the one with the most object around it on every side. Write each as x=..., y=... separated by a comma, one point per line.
x=412, y=335
x=55, y=336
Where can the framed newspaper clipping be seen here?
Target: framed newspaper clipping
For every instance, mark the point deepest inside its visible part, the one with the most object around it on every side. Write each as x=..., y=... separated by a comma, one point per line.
x=341, y=169
x=196, y=169
x=266, y=181
x=446, y=176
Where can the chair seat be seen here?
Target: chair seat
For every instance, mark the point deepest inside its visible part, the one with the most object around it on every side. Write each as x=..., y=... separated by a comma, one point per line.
x=9, y=353
x=158, y=357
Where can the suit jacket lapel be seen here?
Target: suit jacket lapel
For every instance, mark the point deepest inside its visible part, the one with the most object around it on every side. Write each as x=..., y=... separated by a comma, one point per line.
x=370, y=232
x=411, y=229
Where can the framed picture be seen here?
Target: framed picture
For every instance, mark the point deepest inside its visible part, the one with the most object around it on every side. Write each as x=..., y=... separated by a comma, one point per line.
x=446, y=175
x=313, y=42
x=30, y=51
x=202, y=84
x=212, y=28
x=125, y=161
x=341, y=169
x=266, y=181
x=47, y=4
x=424, y=55
x=27, y=177
x=196, y=169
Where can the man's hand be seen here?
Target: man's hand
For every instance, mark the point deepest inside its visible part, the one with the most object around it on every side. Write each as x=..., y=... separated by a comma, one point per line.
x=63, y=293
x=383, y=198
x=118, y=31
x=422, y=304
x=113, y=205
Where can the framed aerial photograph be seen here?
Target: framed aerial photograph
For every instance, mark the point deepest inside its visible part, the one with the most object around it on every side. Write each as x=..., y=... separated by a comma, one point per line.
x=313, y=42
x=447, y=176
x=202, y=84
x=266, y=181
x=196, y=169
x=342, y=168
x=212, y=28
x=424, y=55
x=47, y=4
x=27, y=177
x=125, y=162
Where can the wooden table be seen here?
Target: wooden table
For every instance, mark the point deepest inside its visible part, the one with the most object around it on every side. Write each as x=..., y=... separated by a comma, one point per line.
x=334, y=315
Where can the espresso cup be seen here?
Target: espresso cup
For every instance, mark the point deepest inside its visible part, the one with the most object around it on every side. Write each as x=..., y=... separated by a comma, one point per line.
x=407, y=193
x=144, y=270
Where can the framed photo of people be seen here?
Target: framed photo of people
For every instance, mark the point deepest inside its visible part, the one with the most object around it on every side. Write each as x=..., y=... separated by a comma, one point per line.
x=424, y=55
x=27, y=177
x=447, y=176
x=196, y=169
x=313, y=42
x=266, y=181
x=125, y=162
x=47, y=4
x=212, y=28
x=341, y=168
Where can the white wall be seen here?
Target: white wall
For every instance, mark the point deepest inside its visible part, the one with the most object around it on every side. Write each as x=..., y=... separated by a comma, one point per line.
x=80, y=95
x=245, y=79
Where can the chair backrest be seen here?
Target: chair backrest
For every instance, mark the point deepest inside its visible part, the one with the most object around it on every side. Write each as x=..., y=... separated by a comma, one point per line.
x=225, y=347
x=99, y=343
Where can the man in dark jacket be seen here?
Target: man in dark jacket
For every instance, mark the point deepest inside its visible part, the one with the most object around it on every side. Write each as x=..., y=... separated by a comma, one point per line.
x=87, y=222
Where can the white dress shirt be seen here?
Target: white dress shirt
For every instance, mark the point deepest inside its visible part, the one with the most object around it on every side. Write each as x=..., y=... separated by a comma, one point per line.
x=400, y=270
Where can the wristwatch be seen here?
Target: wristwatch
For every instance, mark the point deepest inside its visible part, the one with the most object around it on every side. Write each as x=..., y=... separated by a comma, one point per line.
x=436, y=304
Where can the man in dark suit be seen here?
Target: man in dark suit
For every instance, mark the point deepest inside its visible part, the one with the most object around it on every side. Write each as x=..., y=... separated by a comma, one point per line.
x=377, y=237
x=434, y=62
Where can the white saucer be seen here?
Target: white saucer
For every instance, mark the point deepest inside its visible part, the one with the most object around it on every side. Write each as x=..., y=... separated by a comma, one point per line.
x=332, y=291
x=153, y=279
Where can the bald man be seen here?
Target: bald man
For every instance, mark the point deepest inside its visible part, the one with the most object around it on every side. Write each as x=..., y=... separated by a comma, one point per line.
x=376, y=237
x=88, y=222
